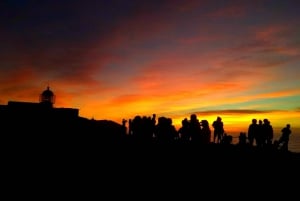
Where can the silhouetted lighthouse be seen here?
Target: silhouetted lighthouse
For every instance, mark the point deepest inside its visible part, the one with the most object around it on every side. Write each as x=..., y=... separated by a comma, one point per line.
x=47, y=97
x=30, y=114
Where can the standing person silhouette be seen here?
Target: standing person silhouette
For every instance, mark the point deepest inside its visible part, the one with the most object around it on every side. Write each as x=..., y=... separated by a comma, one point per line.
x=285, y=137
x=218, y=130
x=268, y=133
x=253, y=132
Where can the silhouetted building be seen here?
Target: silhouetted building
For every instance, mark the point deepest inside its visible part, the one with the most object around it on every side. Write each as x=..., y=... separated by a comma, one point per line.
x=29, y=115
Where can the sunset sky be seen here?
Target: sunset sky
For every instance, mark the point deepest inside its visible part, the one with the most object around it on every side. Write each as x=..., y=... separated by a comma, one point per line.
x=114, y=59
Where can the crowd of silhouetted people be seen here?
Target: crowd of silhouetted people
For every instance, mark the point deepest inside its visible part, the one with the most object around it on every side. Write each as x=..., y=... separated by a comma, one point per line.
x=145, y=129
x=141, y=130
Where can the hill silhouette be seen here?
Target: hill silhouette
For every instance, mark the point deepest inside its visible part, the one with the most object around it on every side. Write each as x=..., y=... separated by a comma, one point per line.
x=83, y=153
x=40, y=133
x=79, y=132
x=95, y=137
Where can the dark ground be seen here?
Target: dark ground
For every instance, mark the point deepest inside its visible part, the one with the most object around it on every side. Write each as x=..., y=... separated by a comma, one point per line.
x=84, y=168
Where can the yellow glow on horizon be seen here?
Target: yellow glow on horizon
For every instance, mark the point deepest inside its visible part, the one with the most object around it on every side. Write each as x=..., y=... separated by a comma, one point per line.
x=236, y=123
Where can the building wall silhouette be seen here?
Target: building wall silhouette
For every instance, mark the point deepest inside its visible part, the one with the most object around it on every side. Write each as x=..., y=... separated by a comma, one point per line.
x=37, y=117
